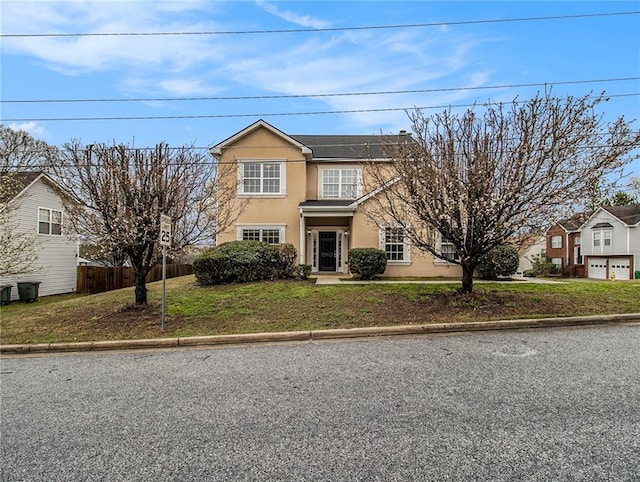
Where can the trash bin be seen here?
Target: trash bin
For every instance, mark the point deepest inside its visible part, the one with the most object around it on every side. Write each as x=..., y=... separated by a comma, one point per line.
x=28, y=291
x=5, y=294
x=637, y=276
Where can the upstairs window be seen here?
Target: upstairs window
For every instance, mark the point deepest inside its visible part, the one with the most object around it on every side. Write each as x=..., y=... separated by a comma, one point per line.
x=607, y=237
x=49, y=221
x=262, y=178
x=596, y=239
x=340, y=183
x=556, y=241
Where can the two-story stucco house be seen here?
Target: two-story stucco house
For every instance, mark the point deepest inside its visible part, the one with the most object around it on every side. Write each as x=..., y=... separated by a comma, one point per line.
x=308, y=190
x=611, y=242
x=38, y=209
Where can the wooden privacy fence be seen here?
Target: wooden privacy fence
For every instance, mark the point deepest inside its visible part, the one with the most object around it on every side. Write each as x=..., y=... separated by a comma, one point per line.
x=96, y=279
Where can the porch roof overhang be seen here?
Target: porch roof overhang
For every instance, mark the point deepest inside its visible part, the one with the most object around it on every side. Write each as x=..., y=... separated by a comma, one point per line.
x=327, y=208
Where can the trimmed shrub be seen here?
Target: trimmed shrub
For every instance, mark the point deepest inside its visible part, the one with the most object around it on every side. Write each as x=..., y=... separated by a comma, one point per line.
x=367, y=262
x=304, y=270
x=245, y=261
x=500, y=261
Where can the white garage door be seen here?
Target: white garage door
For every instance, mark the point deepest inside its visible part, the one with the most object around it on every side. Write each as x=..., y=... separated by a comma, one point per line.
x=597, y=268
x=619, y=267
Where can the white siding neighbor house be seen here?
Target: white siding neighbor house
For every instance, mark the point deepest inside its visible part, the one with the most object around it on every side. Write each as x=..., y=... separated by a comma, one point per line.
x=611, y=242
x=38, y=209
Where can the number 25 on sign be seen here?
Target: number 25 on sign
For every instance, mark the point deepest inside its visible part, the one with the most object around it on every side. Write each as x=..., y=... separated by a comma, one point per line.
x=165, y=230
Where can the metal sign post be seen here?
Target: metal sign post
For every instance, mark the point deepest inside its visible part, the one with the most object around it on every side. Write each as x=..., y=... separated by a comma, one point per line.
x=165, y=240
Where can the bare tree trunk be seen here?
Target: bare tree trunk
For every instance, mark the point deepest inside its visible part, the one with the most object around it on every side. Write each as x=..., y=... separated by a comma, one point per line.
x=141, y=288
x=467, y=278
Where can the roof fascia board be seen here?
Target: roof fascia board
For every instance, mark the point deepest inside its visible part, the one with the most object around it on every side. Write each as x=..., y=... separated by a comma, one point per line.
x=217, y=149
x=376, y=191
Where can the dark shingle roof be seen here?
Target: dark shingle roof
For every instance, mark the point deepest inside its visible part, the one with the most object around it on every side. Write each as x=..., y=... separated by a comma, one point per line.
x=332, y=203
x=15, y=182
x=347, y=146
x=629, y=214
x=574, y=222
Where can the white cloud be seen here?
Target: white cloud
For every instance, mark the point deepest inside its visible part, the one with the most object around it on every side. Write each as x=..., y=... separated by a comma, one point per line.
x=37, y=131
x=289, y=16
x=328, y=62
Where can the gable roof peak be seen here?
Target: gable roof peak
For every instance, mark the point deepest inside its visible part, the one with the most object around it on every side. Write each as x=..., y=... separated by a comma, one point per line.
x=260, y=123
x=629, y=214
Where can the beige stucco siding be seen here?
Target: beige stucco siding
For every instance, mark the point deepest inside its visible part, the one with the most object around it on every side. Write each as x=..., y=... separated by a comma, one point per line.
x=367, y=235
x=268, y=210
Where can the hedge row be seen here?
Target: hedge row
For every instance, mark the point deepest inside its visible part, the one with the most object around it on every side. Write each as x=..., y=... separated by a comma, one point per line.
x=245, y=261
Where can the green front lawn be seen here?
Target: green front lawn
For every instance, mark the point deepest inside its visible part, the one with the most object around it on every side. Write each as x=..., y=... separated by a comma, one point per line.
x=299, y=305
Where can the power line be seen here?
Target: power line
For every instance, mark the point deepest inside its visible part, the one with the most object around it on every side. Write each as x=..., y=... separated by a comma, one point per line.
x=338, y=94
x=261, y=115
x=314, y=30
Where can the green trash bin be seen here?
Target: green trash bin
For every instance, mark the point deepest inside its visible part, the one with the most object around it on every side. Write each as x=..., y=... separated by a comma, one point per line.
x=637, y=276
x=5, y=295
x=28, y=291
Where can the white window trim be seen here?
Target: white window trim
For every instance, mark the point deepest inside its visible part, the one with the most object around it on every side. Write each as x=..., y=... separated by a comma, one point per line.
x=51, y=211
x=441, y=261
x=382, y=231
x=337, y=167
x=558, y=238
x=283, y=178
x=280, y=227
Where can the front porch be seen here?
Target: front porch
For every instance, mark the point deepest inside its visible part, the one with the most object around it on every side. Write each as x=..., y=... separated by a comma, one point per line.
x=325, y=227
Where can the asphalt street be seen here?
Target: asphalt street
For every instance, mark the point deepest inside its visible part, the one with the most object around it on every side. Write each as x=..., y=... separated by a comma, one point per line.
x=546, y=404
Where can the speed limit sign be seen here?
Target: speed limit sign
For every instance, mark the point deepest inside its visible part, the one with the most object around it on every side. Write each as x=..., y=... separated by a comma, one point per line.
x=165, y=230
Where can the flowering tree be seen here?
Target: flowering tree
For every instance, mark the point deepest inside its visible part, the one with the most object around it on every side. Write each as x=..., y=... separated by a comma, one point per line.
x=19, y=153
x=122, y=192
x=477, y=180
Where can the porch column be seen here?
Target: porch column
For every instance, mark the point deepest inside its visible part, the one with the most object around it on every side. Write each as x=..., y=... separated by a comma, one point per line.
x=303, y=237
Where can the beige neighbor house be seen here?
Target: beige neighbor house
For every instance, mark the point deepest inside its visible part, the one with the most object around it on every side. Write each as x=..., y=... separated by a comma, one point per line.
x=308, y=190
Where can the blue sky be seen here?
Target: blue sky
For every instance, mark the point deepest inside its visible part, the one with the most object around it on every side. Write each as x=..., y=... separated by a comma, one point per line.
x=461, y=56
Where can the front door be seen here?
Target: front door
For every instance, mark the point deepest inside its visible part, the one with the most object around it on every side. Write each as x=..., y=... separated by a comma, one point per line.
x=328, y=246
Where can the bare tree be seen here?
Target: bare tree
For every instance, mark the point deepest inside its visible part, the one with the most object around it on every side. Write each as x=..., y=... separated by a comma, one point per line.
x=478, y=180
x=122, y=192
x=20, y=153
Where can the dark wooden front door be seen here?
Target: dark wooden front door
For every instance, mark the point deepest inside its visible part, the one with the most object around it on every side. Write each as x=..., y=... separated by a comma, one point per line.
x=328, y=245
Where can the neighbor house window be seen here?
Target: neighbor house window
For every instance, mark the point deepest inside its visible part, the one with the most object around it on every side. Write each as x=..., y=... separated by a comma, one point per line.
x=340, y=183
x=395, y=244
x=556, y=241
x=49, y=221
x=557, y=262
x=607, y=236
x=271, y=235
x=262, y=177
x=596, y=239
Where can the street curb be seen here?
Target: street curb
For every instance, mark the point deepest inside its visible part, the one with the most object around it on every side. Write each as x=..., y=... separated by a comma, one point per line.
x=287, y=336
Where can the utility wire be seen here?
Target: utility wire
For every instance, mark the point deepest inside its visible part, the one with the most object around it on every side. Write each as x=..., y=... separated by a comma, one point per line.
x=338, y=94
x=272, y=114
x=314, y=30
